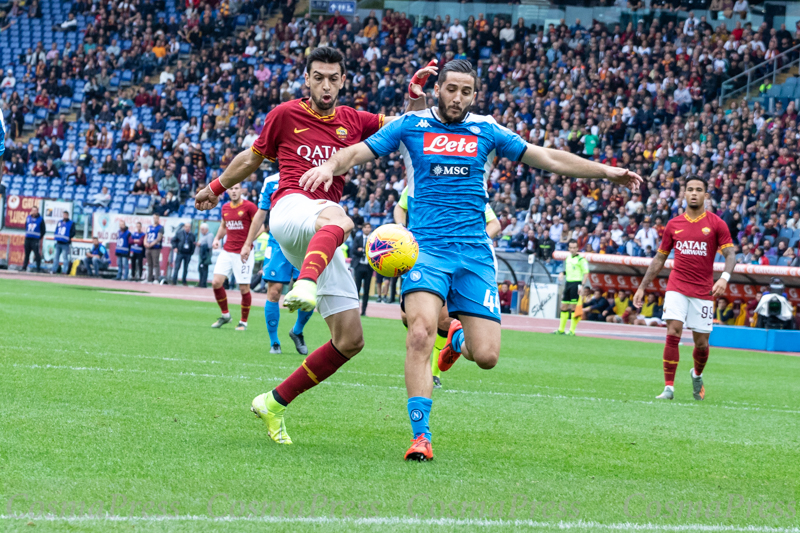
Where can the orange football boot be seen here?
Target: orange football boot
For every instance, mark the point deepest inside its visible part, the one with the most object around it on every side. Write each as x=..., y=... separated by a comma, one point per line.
x=448, y=356
x=420, y=450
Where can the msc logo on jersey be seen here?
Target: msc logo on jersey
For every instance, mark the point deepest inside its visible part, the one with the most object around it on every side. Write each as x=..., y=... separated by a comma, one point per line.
x=342, y=133
x=450, y=144
x=692, y=247
x=438, y=169
x=706, y=230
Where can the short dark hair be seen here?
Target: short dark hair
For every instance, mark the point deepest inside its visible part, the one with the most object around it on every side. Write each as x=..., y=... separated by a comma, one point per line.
x=461, y=66
x=572, y=241
x=326, y=54
x=697, y=178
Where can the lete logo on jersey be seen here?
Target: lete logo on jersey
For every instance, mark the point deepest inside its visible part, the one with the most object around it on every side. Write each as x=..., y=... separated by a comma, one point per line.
x=450, y=144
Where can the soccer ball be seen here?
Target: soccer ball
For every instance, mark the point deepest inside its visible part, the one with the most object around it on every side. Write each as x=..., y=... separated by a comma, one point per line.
x=392, y=250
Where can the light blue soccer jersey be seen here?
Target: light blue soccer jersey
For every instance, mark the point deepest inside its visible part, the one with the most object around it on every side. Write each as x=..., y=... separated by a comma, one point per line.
x=269, y=187
x=276, y=268
x=446, y=168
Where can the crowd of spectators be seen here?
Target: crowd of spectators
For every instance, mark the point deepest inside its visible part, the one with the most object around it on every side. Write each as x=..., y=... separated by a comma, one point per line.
x=642, y=96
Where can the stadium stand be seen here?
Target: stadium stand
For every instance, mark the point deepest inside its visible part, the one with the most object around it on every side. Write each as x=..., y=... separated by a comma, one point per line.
x=147, y=96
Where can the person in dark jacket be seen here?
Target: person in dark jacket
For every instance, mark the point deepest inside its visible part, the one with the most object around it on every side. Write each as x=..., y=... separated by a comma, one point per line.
x=183, y=243
x=65, y=232
x=123, y=251
x=137, y=252
x=362, y=272
x=34, y=231
x=594, y=308
x=97, y=257
x=204, y=244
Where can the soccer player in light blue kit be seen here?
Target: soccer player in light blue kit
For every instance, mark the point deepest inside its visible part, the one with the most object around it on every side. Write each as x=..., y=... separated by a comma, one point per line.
x=448, y=153
x=277, y=272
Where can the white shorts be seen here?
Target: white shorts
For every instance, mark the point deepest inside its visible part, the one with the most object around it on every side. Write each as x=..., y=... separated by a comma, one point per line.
x=228, y=262
x=695, y=313
x=649, y=321
x=292, y=222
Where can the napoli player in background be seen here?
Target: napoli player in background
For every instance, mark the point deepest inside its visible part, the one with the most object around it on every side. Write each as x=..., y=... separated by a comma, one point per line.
x=448, y=152
x=277, y=272
x=695, y=236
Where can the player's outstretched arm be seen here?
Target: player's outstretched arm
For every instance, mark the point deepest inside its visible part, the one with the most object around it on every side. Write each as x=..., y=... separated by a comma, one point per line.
x=256, y=229
x=242, y=166
x=567, y=164
x=341, y=162
x=652, y=271
x=730, y=263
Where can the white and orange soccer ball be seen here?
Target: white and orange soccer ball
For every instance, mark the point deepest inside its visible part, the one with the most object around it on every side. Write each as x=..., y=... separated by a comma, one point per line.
x=392, y=250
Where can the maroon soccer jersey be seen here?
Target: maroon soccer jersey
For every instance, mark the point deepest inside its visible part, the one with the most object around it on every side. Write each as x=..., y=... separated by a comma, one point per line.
x=299, y=138
x=695, y=242
x=237, y=223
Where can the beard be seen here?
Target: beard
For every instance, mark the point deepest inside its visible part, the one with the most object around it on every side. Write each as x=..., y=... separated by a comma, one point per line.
x=325, y=106
x=446, y=118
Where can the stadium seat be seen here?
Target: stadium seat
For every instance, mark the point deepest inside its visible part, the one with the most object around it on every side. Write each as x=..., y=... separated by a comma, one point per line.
x=784, y=261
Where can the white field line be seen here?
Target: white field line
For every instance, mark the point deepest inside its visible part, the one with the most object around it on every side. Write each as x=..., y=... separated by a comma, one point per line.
x=693, y=405
x=410, y=521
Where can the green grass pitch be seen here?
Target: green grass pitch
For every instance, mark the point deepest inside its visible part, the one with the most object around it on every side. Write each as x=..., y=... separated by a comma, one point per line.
x=122, y=412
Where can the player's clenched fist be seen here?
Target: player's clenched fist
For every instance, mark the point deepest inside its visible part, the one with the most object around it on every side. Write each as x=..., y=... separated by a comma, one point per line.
x=316, y=177
x=638, y=299
x=205, y=200
x=624, y=177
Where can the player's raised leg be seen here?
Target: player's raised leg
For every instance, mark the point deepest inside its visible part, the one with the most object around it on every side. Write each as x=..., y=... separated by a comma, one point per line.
x=481, y=341
x=332, y=228
x=346, y=341
x=422, y=311
x=700, y=356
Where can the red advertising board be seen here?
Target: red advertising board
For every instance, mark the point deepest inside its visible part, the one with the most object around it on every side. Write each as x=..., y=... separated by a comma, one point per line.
x=735, y=291
x=18, y=208
x=12, y=248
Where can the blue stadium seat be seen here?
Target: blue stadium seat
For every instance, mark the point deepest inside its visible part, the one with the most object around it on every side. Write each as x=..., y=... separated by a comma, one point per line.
x=784, y=261
x=128, y=209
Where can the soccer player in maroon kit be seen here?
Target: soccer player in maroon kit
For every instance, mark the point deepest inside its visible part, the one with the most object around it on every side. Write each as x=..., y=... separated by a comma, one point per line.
x=237, y=215
x=695, y=236
x=310, y=226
